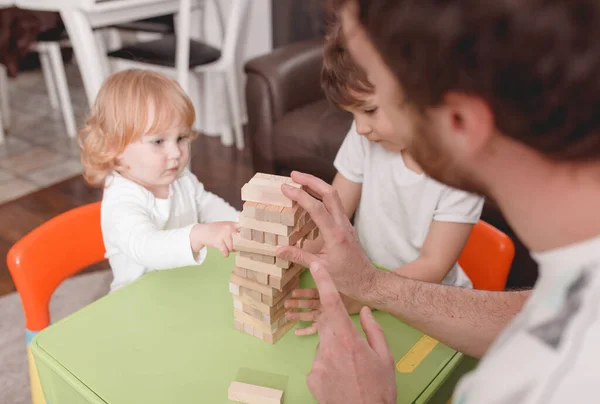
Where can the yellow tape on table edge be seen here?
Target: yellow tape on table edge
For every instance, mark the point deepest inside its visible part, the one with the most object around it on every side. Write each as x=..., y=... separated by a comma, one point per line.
x=417, y=353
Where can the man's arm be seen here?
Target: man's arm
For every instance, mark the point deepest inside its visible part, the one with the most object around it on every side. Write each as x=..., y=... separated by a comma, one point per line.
x=465, y=319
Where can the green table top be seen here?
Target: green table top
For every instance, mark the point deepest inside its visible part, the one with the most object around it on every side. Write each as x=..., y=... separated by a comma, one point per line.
x=169, y=338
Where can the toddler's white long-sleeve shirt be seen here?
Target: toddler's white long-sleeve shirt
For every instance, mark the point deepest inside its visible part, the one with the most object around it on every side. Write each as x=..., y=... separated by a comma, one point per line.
x=143, y=233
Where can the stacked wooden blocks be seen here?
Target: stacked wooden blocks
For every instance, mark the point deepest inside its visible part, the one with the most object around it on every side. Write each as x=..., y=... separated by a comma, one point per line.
x=261, y=282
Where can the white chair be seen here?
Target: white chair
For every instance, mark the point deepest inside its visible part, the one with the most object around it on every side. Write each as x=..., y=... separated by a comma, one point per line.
x=4, y=110
x=169, y=53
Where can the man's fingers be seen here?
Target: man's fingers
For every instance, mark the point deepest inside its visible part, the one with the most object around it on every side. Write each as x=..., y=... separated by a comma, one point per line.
x=375, y=335
x=306, y=293
x=297, y=255
x=326, y=193
x=315, y=208
x=335, y=318
x=310, y=330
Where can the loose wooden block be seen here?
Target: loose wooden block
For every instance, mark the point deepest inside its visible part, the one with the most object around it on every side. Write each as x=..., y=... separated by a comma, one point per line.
x=266, y=195
x=246, y=233
x=297, y=235
x=240, y=272
x=253, y=394
x=280, y=283
x=273, y=213
x=289, y=216
x=281, y=331
x=281, y=263
x=257, y=266
x=267, y=227
x=258, y=236
x=259, y=277
x=242, y=244
x=271, y=238
x=249, y=209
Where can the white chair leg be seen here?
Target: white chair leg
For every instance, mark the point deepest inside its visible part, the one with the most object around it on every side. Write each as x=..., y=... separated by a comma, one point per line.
x=233, y=94
x=63, y=89
x=4, y=104
x=48, y=76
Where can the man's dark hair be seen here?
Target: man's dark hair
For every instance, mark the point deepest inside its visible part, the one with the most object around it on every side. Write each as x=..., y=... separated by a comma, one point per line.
x=535, y=62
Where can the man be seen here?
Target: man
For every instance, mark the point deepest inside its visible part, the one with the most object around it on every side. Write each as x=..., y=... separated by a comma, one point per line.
x=504, y=99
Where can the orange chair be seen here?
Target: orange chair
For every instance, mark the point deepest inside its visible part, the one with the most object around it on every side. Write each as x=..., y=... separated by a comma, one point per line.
x=44, y=258
x=487, y=257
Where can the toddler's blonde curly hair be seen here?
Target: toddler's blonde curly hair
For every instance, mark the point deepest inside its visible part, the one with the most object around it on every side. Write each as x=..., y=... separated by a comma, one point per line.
x=130, y=104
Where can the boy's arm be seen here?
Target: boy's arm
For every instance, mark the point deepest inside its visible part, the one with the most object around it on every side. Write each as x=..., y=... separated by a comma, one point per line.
x=441, y=249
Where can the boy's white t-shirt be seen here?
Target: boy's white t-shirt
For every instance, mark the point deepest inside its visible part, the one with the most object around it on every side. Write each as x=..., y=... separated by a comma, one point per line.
x=549, y=353
x=143, y=233
x=397, y=205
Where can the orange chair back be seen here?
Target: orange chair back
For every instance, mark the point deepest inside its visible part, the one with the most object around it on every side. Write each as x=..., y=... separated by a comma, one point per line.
x=487, y=257
x=49, y=254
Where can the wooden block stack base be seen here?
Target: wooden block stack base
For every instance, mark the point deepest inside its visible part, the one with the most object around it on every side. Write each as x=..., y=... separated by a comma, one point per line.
x=261, y=282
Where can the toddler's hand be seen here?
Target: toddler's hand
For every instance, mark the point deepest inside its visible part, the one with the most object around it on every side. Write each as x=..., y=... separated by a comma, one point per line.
x=218, y=235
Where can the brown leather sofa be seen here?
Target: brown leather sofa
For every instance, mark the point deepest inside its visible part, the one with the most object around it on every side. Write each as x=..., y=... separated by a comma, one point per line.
x=291, y=126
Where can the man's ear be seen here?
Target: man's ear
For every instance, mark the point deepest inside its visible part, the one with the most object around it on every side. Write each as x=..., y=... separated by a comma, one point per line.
x=471, y=119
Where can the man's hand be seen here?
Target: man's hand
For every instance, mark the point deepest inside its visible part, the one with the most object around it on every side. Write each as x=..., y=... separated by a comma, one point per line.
x=342, y=255
x=347, y=368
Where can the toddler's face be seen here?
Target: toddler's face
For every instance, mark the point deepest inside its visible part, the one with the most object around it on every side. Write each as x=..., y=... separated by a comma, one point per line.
x=155, y=160
x=373, y=123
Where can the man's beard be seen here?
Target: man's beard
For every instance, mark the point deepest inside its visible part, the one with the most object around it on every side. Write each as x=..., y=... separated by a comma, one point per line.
x=428, y=152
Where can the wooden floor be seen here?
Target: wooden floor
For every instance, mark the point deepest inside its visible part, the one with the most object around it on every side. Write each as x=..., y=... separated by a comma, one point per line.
x=222, y=170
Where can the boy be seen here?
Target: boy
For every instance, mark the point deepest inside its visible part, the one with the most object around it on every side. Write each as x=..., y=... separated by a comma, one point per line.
x=405, y=220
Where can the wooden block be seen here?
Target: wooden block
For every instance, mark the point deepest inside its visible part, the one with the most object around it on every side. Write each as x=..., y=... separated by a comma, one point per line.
x=249, y=209
x=238, y=325
x=267, y=227
x=259, y=277
x=240, y=272
x=273, y=213
x=271, y=238
x=302, y=220
x=281, y=331
x=253, y=285
x=289, y=216
x=267, y=259
x=259, y=305
x=258, y=236
x=266, y=195
x=272, y=180
x=254, y=322
x=273, y=319
x=280, y=283
x=281, y=295
x=253, y=394
x=251, y=294
x=257, y=266
x=248, y=328
x=234, y=289
x=259, y=212
x=281, y=263
x=242, y=244
x=258, y=333
x=297, y=235
x=246, y=233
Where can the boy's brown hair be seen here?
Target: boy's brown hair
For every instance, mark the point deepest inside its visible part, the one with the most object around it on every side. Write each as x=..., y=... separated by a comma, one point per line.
x=341, y=79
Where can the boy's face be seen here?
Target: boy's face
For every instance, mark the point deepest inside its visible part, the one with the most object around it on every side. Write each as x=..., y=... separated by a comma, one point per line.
x=155, y=160
x=374, y=124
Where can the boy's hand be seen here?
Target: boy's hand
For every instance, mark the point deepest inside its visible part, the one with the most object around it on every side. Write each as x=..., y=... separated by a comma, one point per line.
x=218, y=235
x=309, y=299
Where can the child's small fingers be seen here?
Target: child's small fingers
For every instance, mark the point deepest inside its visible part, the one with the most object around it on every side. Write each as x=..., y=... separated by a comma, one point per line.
x=306, y=293
x=224, y=250
x=310, y=330
x=229, y=242
x=302, y=304
x=302, y=315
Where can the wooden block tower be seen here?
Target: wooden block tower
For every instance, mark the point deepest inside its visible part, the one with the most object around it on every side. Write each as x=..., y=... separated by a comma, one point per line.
x=261, y=282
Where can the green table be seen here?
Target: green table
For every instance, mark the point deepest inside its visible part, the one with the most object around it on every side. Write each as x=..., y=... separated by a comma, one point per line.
x=169, y=338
